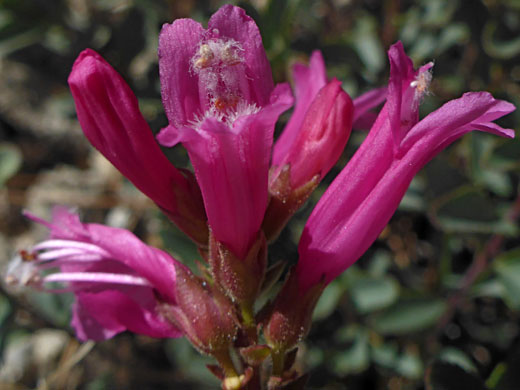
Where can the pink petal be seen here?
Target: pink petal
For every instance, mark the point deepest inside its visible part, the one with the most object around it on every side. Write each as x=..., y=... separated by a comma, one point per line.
x=308, y=80
x=322, y=137
x=473, y=108
x=363, y=118
x=178, y=43
x=232, y=22
x=98, y=316
x=123, y=246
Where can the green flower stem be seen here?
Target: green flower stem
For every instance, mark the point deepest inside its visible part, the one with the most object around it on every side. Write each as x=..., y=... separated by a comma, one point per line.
x=249, y=322
x=226, y=363
x=278, y=357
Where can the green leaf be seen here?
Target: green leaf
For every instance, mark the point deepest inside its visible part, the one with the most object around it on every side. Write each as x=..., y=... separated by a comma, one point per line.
x=456, y=33
x=413, y=199
x=506, y=375
x=371, y=294
x=409, y=316
x=468, y=210
x=406, y=364
x=496, y=181
x=423, y=47
x=367, y=44
x=328, y=301
x=507, y=268
x=410, y=366
x=5, y=309
x=178, y=243
x=356, y=358
x=10, y=162
x=499, y=49
x=456, y=356
x=181, y=352
x=55, y=307
x=385, y=355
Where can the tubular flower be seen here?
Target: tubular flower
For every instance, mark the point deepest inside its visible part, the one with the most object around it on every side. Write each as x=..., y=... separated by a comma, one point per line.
x=360, y=201
x=118, y=281
x=109, y=115
x=221, y=104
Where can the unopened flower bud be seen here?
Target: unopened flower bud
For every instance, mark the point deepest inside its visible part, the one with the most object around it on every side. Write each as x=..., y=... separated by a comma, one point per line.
x=285, y=201
x=289, y=318
x=241, y=279
x=108, y=112
x=322, y=137
x=203, y=313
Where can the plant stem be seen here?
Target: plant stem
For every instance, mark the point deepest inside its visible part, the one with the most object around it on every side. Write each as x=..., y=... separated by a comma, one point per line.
x=226, y=363
x=249, y=323
x=278, y=357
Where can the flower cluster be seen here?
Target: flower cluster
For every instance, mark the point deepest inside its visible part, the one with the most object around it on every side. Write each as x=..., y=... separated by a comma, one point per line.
x=222, y=106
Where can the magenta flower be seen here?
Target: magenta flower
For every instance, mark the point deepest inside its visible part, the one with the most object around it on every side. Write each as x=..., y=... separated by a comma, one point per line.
x=220, y=100
x=109, y=115
x=361, y=200
x=119, y=282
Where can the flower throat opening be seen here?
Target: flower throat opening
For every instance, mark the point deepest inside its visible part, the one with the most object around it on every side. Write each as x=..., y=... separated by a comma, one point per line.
x=223, y=85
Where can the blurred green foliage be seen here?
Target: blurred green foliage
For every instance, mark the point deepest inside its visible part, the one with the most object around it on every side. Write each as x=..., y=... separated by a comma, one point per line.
x=422, y=294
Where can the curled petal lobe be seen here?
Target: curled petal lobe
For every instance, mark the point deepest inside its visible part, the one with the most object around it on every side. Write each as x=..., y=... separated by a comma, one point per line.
x=363, y=117
x=102, y=315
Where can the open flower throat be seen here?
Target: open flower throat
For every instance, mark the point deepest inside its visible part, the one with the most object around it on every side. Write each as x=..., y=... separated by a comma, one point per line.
x=222, y=81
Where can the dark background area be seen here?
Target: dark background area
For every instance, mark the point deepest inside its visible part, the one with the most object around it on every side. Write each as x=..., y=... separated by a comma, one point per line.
x=442, y=283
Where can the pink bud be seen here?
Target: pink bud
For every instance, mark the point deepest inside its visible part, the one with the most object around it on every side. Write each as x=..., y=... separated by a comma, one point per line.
x=240, y=278
x=202, y=312
x=322, y=137
x=289, y=318
x=109, y=115
x=314, y=150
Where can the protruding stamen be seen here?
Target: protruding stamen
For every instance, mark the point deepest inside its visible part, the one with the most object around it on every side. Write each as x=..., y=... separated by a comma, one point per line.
x=61, y=244
x=422, y=82
x=96, y=277
x=203, y=57
x=217, y=53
